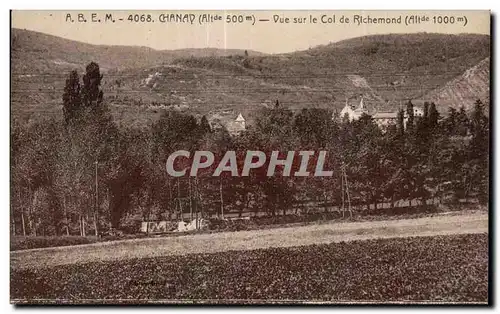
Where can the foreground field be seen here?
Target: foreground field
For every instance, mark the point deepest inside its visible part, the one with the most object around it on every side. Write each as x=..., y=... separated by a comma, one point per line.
x=248, y=240
x=419, y=269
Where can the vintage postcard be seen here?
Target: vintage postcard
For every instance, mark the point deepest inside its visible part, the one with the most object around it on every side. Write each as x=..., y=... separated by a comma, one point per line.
x=250, y=157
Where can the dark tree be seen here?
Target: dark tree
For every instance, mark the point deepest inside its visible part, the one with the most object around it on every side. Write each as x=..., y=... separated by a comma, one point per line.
x=91, y=92
x=433, y=117
x=479, y=151
x=71, y=98
x=462, y=122
x=411, y=116
x=401, y=122
x=426, y=110
x=450, y=123
x=204, y=125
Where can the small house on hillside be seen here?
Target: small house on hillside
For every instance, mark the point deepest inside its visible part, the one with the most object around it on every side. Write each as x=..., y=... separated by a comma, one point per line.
x=226, y=120
x=237, y=126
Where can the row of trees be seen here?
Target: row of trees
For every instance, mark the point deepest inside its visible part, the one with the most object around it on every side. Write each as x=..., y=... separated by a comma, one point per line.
x=83, y=174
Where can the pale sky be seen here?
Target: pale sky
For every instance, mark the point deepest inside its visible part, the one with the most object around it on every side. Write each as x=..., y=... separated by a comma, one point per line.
x=268, y=37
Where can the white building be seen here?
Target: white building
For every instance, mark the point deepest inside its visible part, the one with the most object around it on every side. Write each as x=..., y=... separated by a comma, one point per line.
x=417, y=112
x=240, y=121
x=226, y=119
x=237, y=126
x=382, y=118
x=353, y=113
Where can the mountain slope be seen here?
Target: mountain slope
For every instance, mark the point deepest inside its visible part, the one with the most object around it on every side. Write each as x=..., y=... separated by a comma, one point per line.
x=473, y=84
x=36, y=52
x=393, y=66
x=140, y=82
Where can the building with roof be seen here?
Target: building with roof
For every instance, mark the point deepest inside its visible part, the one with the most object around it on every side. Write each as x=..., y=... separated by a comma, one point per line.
x=240, y=121
x=385, y=119
x=237, y=126
x=382, y=118
x=353, y=113
x=418, y=112
x=225, y=119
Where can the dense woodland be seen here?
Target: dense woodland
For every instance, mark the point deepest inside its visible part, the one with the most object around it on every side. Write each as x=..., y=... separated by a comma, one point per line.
x=83, y=174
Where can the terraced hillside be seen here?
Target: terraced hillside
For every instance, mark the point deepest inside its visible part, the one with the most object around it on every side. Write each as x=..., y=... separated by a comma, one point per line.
x=139, y=82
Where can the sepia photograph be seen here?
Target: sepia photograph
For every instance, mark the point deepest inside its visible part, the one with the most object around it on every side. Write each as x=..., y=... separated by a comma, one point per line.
x=250, y=157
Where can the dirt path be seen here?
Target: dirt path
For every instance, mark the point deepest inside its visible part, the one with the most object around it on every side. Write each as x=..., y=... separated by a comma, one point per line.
x=249, y=240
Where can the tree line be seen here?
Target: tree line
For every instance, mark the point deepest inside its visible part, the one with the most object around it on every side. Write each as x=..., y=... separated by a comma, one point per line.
x=82, y=174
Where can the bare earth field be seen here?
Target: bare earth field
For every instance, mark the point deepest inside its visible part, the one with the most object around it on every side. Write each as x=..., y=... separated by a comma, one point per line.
x=433, y=270
x=249, y=240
